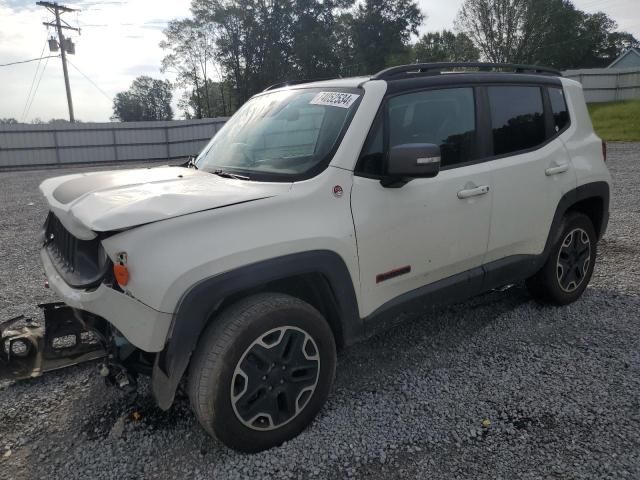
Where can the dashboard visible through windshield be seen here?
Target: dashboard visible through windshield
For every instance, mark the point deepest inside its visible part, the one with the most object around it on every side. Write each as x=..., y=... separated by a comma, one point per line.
x=281, y=136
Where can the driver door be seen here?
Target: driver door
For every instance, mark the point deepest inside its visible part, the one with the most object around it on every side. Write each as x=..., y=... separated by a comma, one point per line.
x=430, y=229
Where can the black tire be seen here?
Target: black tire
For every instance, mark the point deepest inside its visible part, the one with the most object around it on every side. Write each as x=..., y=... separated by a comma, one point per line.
x=239, y=340
x=564, y=276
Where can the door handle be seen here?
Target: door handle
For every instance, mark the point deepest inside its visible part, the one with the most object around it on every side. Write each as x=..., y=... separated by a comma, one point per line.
x=561, y=168
x=473, y=192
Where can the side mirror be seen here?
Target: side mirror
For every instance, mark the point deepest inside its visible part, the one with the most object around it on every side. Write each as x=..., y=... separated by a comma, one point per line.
x=412, y=160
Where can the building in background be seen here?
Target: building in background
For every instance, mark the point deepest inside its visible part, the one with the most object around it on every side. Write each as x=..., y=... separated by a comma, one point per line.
x=629, y=59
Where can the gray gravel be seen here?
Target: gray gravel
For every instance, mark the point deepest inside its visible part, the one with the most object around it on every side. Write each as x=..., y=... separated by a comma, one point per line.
x=498, y=387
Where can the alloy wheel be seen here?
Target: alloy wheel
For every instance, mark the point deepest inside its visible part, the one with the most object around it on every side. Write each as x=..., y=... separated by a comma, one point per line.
x=275, y=378
x=573, y=260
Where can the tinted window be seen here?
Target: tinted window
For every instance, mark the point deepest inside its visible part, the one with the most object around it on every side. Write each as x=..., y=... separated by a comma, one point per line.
x=559, y=109
x=517, y=118
x=442, y=117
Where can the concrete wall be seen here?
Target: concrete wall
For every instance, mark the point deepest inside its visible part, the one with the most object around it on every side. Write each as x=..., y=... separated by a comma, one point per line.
x=64, y=144
x=607, y=84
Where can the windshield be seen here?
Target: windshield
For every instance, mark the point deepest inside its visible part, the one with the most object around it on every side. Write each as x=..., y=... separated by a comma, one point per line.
x=285, y=135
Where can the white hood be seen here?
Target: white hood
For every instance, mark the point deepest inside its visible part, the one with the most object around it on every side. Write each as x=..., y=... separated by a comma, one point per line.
x=103, y=201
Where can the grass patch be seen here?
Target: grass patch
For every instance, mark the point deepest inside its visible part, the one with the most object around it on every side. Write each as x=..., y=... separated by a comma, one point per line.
x=616, y=121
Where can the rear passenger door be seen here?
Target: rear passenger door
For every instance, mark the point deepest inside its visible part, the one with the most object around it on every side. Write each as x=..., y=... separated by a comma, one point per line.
x=531, y=169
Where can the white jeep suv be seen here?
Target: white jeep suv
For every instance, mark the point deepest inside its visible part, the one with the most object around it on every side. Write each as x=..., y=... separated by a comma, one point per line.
x=316, y=213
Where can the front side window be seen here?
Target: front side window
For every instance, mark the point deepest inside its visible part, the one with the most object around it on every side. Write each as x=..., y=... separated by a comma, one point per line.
x=444, y=117
x=281, y=135
x=559, y=109
x=517, y=118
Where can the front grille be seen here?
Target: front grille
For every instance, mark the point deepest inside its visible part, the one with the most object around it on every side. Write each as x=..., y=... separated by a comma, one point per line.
x=81, y=263
x=62, y=244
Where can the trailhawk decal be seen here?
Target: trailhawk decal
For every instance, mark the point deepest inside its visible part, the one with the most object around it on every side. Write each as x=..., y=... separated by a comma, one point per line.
x=334, y=99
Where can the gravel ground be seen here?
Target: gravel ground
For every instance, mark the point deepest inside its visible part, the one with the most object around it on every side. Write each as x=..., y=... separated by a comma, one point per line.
x=497, y=387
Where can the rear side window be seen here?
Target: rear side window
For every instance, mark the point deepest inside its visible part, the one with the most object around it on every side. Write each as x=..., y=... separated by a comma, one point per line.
x=559, y=109
x=443, y=117
x=517, y=118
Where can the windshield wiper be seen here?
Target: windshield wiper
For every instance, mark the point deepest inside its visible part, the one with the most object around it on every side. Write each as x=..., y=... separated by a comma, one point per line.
x=190, y=163
x=226, y=174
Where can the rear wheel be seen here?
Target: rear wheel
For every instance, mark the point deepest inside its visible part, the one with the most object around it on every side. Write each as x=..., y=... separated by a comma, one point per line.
x=262, y=371
x=567, y=271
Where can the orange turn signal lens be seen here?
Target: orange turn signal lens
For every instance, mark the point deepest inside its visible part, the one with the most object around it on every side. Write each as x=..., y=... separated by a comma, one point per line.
x=121, y=272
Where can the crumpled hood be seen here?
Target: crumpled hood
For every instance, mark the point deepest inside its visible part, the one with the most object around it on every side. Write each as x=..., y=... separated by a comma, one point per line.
x=114, y=200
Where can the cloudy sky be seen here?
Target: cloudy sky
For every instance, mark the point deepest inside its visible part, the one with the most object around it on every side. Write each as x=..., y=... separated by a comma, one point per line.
x=119, y=41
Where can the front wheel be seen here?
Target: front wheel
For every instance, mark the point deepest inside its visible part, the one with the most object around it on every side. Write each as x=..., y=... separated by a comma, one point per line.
x=262, y=371
x=567, y=271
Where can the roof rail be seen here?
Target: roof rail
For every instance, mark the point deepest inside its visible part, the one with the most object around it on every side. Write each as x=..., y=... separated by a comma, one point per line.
x=438, y=67
x=286, y=83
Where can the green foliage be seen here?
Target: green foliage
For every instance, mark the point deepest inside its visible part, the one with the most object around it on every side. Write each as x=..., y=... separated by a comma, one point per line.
x=549, y=32
x=616, y=121
x=251, y=44
x=445, y=46
x=261, y=43
x=146, y=99
x=190, y=44
x=231, y=49
x=381, y=31
x=8, y=121
x=213, y=99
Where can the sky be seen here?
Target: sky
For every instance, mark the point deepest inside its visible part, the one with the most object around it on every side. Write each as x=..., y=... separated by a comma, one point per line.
x=119, y=41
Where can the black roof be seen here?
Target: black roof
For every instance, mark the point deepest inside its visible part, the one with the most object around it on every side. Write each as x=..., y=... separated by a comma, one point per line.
x=415, y=75
x=468, y=80
x=422, y=69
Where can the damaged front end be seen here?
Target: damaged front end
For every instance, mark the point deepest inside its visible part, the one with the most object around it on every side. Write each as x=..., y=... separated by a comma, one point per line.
x=67, y=337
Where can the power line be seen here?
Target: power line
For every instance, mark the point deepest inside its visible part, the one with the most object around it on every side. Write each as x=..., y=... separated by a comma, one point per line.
x=37, y=86
x=27, y=61
x=90, y=81
x=33, y=81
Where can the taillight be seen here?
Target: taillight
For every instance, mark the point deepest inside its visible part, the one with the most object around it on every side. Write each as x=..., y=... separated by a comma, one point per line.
x=604, y=150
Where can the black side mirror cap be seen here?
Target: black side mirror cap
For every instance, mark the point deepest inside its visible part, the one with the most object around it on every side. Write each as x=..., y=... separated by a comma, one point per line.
x=411, y=160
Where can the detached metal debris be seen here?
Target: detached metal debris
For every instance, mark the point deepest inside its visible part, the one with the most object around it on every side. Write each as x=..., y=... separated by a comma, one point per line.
x=28, y=350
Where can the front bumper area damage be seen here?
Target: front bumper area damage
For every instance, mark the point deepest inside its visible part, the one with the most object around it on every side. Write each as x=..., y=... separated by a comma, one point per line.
x=67, y=337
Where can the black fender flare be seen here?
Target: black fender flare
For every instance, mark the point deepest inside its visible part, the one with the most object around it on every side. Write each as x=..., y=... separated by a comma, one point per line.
x=599, y=190
x=202, y=300
x=593, y=190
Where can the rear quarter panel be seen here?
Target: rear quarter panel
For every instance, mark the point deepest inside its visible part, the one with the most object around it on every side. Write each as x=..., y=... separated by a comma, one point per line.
x=582, y=143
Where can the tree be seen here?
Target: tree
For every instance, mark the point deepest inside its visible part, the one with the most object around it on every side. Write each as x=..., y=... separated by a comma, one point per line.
x=260, y=43
x=251, y=44
x=618, y=43
x=58, y=121
x=445, y=46
x=318, y=40
x=601, y=44
x=8, y=121
x=549, y=32
x=191, y=46
x=501, y=29
x=146, y=99
x=381, y=31
x=219, y=95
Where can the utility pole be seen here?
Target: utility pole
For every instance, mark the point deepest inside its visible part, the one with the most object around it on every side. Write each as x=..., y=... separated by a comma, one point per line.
x=65, y=44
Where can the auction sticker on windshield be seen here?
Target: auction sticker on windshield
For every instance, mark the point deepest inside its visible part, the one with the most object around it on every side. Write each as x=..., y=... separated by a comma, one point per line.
x=334, y=99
